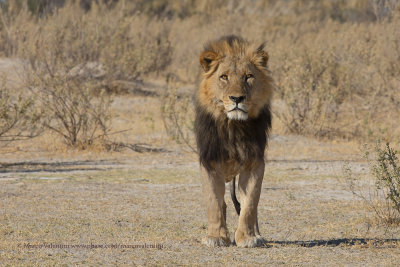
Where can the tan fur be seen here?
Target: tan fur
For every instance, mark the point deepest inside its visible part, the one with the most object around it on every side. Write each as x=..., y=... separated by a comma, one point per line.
x=236, y=59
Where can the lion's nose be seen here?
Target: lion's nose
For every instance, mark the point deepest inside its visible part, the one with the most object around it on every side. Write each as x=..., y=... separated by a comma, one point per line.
x=237, y=99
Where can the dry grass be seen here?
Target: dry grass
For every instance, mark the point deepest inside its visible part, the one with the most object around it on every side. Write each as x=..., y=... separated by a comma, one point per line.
x=335, y=63
x=75, y=59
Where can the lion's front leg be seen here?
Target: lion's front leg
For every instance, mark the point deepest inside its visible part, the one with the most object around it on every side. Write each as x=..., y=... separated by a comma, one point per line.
x=213, y=191
x=250, y=181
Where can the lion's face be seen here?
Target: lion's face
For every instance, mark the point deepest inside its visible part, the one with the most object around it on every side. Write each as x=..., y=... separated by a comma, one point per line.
x=236, y=87
x=236, y=82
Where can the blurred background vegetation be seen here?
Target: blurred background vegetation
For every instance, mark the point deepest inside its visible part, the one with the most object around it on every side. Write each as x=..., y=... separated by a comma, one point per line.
x=336, y=63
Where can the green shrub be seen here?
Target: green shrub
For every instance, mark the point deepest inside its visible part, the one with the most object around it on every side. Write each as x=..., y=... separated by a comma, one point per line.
x=382, y=193
x=387, y=174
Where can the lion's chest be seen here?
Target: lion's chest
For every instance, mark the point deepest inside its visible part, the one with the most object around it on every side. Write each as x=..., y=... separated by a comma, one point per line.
x=241, y=145
x=221, y=141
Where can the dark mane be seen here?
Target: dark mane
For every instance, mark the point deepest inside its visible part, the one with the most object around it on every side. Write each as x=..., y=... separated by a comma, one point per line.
x=224, y=139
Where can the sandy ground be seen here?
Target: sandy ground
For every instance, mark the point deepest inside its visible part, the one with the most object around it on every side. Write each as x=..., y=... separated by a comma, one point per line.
x=65, y=207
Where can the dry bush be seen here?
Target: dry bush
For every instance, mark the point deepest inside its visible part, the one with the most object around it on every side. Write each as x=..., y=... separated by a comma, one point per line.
x=178, y=113
x=310, y=89
x=14, y=27
x=127, y=43
x=125, y=46
x=75, y=58
x=18, y=117
x=71, y=111
x=381, y=193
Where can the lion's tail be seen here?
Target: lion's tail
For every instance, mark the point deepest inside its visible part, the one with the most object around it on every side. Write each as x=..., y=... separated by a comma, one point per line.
x=232, y=189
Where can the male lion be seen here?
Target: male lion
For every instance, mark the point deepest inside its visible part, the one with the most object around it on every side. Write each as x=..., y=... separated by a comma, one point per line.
x=232, y=122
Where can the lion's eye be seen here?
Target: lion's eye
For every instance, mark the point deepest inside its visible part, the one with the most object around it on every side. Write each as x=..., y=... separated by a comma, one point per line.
x=249, y=76
x=224, y=77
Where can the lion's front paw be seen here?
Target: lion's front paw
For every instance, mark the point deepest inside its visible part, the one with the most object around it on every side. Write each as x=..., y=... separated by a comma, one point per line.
x=211, y=241
x=251, y=242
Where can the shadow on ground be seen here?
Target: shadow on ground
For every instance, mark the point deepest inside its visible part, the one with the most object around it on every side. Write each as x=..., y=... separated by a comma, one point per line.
x=389, y=243
x=62, y=166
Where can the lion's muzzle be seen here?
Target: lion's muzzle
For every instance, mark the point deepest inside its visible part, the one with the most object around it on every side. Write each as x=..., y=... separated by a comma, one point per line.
x=237, y=110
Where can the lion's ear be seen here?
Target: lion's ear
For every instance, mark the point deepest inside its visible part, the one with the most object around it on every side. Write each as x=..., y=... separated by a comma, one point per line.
x=206, y=58
x=263, y=56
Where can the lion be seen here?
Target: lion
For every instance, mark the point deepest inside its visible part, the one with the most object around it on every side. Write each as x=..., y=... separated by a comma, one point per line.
x=233, y=120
